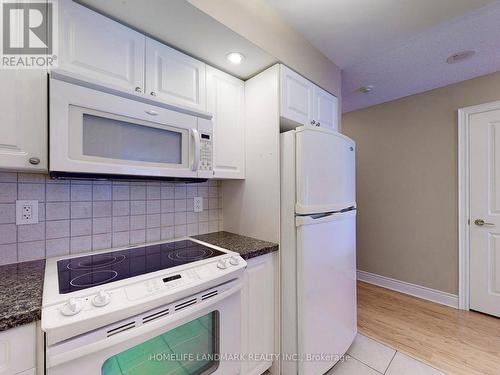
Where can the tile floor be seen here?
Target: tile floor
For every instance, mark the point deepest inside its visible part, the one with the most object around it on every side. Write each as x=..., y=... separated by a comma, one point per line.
x=369, y=357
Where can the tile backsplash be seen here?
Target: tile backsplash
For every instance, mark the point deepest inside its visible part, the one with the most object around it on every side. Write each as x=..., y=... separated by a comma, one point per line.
x=84, y=215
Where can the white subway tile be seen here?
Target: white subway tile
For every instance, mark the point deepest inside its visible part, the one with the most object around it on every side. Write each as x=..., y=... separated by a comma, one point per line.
x=167, y=206
x=101, y=225
x=137, y=236
x=8, y=253
x=8, y=233
x=8, y=192
x=7, y=213
x=180, y=205
x=180, y=231
x=180, y=192
x=121, y=223
x=153, y=221
x=153, y=234
x=137, y=192
x=81, y=227
x=101, y=209
x=121, y=239
x=80, y=244
x=31, y=192
x=167, y=192
x=167, y=220
x=57, y=193
x=81, y=210
x=121, y=193
x=8, y=177
x=192, y=229
x=101, y=241
x=101, y=192
x=81, y=193
x=167, y=233
x=27, y=251
x=137, y=207
x=57, y=229
x=57, y=210
x=121, y=208
x=31, y=177
x=153, y=206
x=153, y=192
x=180, y=218
x=137, y=222
x=57, y=247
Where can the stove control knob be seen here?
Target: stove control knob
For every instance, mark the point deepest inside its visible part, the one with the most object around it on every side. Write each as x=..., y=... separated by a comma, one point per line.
x=72, y=307
x=234, y=260
x=101, y=299
x=222, y=264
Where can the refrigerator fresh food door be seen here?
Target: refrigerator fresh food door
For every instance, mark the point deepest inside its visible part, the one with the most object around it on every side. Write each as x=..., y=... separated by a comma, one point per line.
x=326, y=289
x=325, y=171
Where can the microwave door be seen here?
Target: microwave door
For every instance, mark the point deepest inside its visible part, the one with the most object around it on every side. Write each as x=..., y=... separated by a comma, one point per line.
x=92, y=132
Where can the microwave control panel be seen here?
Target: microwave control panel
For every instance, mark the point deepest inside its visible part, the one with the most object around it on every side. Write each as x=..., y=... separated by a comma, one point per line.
x=205, y=152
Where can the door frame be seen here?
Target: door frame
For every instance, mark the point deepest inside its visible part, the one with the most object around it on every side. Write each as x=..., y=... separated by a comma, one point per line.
x=464, y=115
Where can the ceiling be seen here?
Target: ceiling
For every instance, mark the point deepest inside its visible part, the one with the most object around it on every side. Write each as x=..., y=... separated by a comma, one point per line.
x=398, y=46
x=183, y=26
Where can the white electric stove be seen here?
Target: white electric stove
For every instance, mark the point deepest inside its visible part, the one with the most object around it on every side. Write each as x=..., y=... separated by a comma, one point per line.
x=167, y=307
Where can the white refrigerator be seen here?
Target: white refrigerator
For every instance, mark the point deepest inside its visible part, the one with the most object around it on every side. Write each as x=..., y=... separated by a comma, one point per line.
x=318, y=249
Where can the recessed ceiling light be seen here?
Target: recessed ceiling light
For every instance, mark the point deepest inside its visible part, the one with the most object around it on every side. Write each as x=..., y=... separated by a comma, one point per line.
x=460, y=56
x=235, y=57
x=366, y=89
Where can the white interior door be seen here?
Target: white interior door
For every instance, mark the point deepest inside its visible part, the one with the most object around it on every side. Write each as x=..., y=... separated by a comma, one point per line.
x=485, y=212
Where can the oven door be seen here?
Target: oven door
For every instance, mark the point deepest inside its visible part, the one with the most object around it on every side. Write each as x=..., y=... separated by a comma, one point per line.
x=202, y=339
x=92, y=132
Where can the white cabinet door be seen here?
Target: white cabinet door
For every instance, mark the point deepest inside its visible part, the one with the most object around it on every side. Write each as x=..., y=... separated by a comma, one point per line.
x=174, y=76
x=296, y=97
x=258, y=313
x=95, y=47
x=23, y=133
x=325, y=109
x=18, y=349
x=225, y=100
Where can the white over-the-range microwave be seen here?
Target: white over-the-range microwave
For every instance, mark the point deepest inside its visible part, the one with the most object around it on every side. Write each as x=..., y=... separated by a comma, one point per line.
x=98, y=134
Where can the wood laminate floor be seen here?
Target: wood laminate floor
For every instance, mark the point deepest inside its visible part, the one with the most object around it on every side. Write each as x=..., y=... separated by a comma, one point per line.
x=454, y=341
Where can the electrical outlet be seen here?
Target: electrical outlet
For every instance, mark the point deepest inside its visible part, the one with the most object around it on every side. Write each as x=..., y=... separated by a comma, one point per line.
x=26, y=212
x=198, y=204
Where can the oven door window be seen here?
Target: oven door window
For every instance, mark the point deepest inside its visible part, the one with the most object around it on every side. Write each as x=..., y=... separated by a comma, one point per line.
x=189, y=349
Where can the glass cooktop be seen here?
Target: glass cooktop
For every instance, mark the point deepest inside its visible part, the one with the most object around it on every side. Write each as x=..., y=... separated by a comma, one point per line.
x=92, y=270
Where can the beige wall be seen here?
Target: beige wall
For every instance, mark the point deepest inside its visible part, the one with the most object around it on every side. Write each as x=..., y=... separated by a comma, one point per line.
x=258, y=22
x=407, y=182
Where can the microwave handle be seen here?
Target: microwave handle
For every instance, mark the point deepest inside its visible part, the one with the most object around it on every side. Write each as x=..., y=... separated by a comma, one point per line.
x=196, y=153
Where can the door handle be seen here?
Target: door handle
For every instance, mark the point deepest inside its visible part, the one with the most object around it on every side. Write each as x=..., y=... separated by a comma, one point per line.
x=481, y=222
x=196, y=153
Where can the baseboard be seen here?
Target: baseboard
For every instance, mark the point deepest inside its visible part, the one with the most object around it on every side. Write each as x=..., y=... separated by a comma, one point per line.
x=423, y=292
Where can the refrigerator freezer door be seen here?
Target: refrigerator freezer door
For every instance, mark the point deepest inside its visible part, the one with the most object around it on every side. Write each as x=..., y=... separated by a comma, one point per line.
x=326, y=290
x=325, y=171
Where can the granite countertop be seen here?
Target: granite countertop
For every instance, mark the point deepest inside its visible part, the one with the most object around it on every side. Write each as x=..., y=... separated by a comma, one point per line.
x=247, y=247
x=21, y=287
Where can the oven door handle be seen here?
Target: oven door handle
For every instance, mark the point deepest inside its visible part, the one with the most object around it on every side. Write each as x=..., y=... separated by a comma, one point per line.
x=60, y=358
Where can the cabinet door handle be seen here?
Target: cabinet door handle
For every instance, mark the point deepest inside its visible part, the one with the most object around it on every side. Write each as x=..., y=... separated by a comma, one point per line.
x=34, y=161
x=151, y=112
x=138, y=89
x=318, y=124
x=153, y=93
x=313, y=122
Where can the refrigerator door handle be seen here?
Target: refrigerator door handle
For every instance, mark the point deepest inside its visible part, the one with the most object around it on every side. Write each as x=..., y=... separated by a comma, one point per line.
x=324, y=217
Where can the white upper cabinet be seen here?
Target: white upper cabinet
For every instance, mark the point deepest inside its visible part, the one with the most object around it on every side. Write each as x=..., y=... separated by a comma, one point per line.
x=23, y=133
x=225, y=100
x=98, y=48
x=174, y=76
x=296, y=96
x=325, y=109
x=302, y=102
